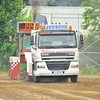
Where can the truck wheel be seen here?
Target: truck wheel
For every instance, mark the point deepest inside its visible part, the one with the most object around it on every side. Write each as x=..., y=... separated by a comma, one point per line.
x=74, y=78
x=36, y=79
x=29, y=78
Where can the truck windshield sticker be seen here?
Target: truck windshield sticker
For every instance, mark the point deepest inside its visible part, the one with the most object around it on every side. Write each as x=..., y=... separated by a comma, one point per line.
x=57, y=42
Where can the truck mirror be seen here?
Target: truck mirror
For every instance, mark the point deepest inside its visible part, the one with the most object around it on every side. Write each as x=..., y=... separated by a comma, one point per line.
x=81, y=39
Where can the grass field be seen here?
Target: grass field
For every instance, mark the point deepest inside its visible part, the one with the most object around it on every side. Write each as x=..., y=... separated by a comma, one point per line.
x=4, y=72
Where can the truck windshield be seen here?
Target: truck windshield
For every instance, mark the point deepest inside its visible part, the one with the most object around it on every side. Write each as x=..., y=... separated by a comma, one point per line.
x=57, y=41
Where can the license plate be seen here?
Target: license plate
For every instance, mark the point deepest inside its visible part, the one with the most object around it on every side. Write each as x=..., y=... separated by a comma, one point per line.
x=58, y=72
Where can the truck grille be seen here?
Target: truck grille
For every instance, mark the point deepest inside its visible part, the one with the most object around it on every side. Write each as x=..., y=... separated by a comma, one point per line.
x=55, y=65
x=57, y=58
x=57, y=54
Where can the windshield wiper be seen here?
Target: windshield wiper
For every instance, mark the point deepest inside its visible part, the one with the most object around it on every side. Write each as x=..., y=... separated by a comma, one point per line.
x=58, y=46
x=66, y=46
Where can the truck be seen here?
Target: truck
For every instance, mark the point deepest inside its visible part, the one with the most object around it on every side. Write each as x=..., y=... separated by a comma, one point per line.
x=53, y=52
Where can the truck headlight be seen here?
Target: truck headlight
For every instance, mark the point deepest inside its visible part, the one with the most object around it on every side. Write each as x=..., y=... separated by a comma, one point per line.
x=40, y=66
x=74, y=66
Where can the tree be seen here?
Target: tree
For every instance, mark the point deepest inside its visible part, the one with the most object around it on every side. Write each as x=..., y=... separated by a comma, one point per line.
x=11, y=11
x=91, y=16
x=52, y=3
x=91, y=19
x=73, y=2
x=26, y=2
x=91, y=22
x=57, y=2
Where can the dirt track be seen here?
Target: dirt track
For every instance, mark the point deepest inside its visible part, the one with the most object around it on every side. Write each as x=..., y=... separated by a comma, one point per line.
x=87, y=88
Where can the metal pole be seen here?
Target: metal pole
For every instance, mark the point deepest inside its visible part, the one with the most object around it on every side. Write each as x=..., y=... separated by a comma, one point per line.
x=34, y=25
x=19, y=44
x=69, y=14
x=78, y=30
x=51, y=18
x=90, y=52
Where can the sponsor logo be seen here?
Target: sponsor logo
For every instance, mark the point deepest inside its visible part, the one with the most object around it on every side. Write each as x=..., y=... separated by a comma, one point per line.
x=47, y=51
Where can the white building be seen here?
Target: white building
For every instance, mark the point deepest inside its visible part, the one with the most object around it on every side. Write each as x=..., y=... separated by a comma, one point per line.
x=63, y=14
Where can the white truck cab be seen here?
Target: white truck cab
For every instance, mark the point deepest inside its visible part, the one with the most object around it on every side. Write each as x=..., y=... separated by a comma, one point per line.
x=54, y=51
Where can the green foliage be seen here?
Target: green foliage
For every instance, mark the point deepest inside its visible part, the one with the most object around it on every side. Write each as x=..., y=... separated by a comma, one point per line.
x=4, y=72
x=7, y=50
x=52, y=3
x=72, y=2
x=26, y=1
x=89, y=39
x=22, y=69
x=91, y=20
x=90, y=70
x=57, y=2
x=64, y=2
x=29, y=19
x=23, y=17
x=11, y=12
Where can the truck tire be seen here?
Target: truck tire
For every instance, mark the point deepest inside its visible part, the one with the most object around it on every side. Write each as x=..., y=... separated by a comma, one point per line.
x=36, y=79
x=74, y=78
x=29, y=78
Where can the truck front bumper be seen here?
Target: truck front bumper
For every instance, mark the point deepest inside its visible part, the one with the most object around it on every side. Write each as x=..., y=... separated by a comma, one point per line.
x=46, y=72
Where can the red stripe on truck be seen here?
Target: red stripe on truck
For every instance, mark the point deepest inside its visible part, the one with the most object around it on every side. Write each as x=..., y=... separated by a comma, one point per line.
x=47, y=51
